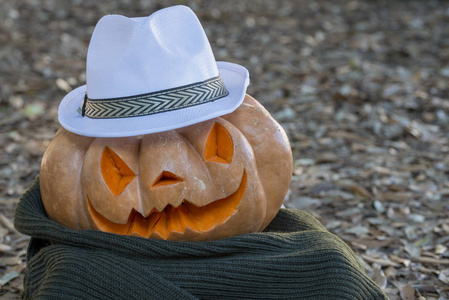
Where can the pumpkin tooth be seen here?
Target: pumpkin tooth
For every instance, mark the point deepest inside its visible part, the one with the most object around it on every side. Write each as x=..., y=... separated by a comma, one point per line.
x=172, y=220
x=161, y=225
x=190, y=214
x=178, y=217
x=153, y=218
x=183, y=217
x=132, y=221
x=138, y=225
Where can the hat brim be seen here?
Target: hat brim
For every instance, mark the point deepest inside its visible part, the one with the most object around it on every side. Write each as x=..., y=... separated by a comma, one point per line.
x=235, y=78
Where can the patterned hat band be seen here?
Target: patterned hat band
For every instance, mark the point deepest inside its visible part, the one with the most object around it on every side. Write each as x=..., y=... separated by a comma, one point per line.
x=156, y=102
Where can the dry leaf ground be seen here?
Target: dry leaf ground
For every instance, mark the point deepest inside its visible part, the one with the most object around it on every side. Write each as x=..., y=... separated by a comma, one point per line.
x=361, y=87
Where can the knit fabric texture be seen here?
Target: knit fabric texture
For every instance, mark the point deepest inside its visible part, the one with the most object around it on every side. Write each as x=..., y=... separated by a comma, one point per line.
x=294, y=258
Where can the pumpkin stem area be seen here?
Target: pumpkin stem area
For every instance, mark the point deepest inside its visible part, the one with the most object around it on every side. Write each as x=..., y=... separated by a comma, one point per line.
x=115, y=171
x=174, y=219
x=219, y=145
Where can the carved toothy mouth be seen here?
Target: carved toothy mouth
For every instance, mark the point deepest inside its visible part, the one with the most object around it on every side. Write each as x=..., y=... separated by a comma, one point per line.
x=174, y=219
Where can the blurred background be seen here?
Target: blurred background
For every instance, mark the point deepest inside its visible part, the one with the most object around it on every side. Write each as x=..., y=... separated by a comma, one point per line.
x=361, y=88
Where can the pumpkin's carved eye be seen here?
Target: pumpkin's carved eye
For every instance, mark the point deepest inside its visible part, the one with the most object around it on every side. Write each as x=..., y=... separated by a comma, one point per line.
x=219, y=145
x=166, y=178
x=115, y=171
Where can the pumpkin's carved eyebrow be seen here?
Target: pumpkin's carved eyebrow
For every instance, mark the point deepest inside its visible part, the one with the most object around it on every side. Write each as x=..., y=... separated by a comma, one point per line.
x=219, y=146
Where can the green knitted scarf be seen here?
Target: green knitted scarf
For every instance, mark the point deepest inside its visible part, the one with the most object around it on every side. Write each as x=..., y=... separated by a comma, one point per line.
x=295, y=257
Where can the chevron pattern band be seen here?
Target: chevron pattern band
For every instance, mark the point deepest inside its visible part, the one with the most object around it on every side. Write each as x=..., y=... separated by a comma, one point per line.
x=153, y=103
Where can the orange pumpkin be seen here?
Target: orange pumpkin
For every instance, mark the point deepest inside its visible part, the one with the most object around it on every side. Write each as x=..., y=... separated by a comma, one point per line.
x=222, y=177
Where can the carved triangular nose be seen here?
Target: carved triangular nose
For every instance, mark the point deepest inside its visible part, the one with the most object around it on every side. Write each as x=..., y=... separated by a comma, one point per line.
x=166, y=178
x=170, y=170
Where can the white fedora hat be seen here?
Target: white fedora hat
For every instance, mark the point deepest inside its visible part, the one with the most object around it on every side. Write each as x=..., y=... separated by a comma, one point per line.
x=151, y=74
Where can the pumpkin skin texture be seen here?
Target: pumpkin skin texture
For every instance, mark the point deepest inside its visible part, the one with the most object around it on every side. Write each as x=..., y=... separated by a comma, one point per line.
x=223, y=177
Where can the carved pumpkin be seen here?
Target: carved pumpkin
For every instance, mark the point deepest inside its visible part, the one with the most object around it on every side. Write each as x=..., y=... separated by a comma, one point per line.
x=222, y=177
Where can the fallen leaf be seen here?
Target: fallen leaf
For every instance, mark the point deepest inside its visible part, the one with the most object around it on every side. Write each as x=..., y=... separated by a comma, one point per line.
x=379, y=276
x=380, y=261
x=397, y=259
x=407, y=292
x=412, y=249
x=429, y=260
x=8, y=277
x=63, y=85
x=444, y=276
x=360, y=190
x=33, y=110
x=6, y=222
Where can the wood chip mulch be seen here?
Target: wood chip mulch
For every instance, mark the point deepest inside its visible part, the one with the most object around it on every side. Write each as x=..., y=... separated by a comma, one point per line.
x=361, y=87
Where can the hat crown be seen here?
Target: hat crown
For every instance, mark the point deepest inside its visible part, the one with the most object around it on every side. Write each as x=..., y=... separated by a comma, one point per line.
x=133, y=56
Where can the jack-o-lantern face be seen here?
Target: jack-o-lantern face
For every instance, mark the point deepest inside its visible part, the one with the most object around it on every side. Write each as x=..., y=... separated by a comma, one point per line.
x=219, y=178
